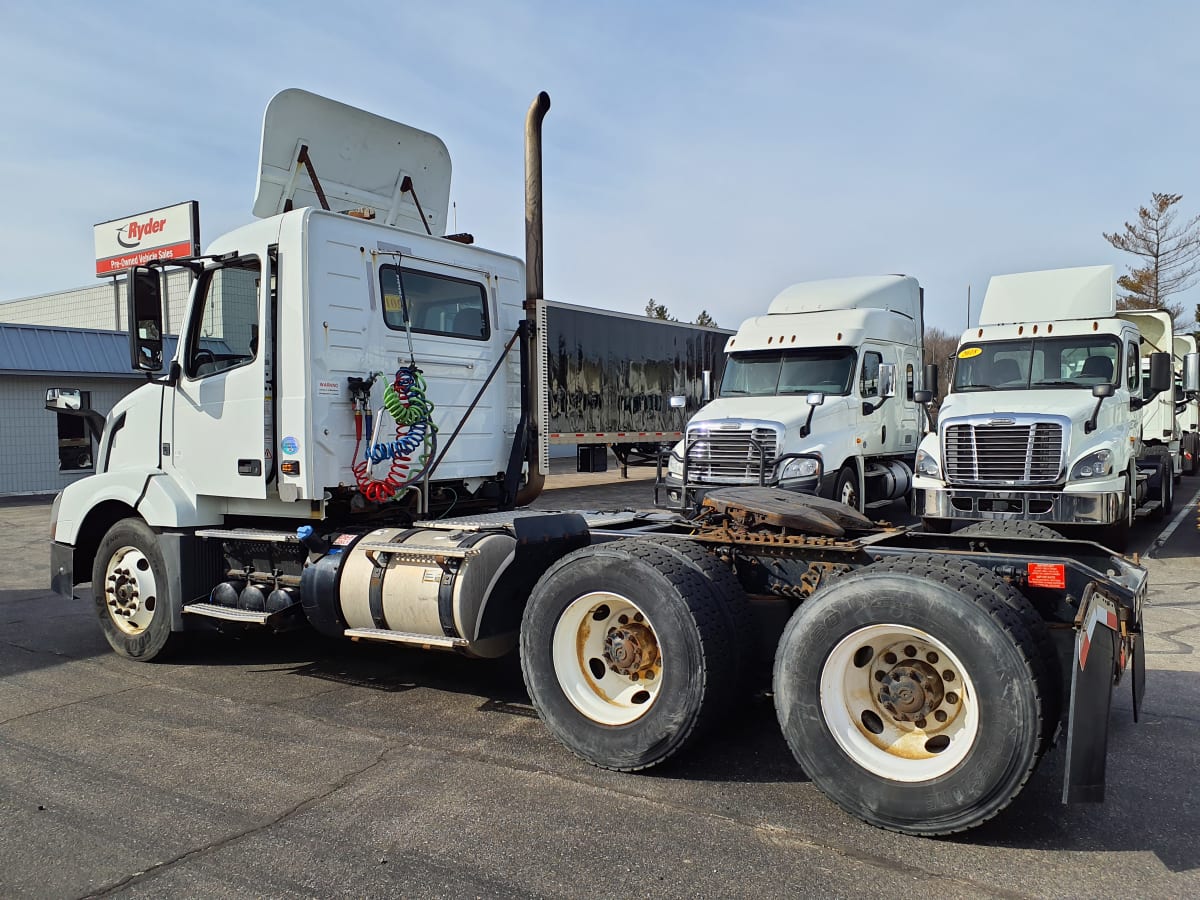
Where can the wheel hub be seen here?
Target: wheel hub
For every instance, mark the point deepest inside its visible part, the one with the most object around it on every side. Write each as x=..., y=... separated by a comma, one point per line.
x=911, y=690
x=630, y=649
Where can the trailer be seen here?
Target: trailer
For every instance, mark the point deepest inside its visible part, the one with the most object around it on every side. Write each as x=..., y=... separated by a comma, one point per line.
x=623, y=381
x=279, y=475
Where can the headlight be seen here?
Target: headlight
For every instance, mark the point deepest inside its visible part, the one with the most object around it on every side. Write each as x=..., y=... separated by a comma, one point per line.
x=927, y=465
x=798, y=468
x=1094, y=465
x=674, y=465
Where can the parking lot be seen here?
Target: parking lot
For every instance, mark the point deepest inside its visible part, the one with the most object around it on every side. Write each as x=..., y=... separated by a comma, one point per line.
x=294, y=766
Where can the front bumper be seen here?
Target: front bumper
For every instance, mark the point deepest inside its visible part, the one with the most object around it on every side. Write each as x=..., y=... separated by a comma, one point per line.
x=672, y=494
x=1074, y=508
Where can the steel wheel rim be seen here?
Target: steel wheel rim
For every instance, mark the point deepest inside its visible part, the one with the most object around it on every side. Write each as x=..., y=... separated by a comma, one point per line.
x=607, y=658
x=130, y=590
x=910, y=741
x=849, y=493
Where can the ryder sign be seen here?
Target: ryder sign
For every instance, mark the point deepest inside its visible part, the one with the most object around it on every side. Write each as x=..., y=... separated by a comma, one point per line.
x=172, y=232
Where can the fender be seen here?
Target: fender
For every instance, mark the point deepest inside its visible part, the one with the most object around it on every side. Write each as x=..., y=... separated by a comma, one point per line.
x=154, y=494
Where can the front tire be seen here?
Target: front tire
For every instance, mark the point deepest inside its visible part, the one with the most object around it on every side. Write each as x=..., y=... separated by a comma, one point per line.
x=626, y=653
x=130, y=588
x=912, y=699
x=846, y=488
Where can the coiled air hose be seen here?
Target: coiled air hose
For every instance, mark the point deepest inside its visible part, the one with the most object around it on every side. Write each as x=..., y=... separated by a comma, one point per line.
x=416, y=436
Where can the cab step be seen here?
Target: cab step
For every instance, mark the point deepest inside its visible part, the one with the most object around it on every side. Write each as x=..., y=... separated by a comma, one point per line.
x=415, y=555
x=411, y=639
x=233, y=614
x=249, y=534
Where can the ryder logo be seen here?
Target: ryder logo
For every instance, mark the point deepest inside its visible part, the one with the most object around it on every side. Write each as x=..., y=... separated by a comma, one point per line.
x=135, y=231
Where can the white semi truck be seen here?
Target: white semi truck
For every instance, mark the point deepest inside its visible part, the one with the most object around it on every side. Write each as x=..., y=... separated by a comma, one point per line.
x=1187, y=407
x=272, y=478
x=818, y=395
x=1060, y=410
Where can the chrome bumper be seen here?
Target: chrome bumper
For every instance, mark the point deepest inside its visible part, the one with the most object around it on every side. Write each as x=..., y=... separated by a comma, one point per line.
x=1035, y=506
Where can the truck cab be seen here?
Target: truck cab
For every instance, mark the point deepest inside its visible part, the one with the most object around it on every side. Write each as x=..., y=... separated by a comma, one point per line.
x=817, y=396
x=1052, y=414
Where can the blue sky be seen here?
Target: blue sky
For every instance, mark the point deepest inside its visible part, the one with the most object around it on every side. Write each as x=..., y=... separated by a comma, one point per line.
x=702, y=154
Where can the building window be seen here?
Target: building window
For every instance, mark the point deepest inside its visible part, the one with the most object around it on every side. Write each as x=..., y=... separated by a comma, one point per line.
x=74, y=442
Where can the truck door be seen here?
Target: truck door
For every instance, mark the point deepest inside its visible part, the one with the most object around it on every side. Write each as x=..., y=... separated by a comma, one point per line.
x=219, y=419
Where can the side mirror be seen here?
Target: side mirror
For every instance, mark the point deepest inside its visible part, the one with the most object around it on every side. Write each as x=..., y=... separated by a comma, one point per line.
x=815, y=399
x=931, y=379
x=63, y=400
x=1102, y=390
x=678, y=401
x=1161, y=374
x=1191, y=373
x=923, y=397
x=144, y=293
x=887, y=379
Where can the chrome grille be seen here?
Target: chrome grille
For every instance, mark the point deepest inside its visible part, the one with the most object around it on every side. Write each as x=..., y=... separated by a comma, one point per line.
x=1020, y=453
x=729, y=457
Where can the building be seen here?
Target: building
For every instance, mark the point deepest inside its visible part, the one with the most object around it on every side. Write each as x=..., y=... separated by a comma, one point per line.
x=69, y=339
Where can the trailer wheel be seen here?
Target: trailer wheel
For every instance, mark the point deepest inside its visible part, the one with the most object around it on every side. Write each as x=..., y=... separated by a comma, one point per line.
x=626, y=653
x=911, y=698
x=739, y=618
x=129, y=585
x=846, y=488
x=1011, y=528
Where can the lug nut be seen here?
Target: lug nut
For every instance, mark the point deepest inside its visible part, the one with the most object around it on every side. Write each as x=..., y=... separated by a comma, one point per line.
x=952, y=697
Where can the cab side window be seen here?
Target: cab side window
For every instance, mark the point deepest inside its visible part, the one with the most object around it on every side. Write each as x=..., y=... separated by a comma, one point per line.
x=1133, y=366
x=869, y=379
x=433, y=304
x=225, y=333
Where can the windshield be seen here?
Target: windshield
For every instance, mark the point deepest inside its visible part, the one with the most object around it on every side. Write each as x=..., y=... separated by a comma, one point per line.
x=1068, y=362
x=765, y=373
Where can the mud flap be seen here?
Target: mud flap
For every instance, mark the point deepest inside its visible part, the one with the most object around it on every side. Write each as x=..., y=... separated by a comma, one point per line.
x=1138, y=679
x=1093, y=670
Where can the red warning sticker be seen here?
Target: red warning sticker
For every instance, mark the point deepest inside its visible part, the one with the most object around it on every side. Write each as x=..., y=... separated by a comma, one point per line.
x=1047, y=575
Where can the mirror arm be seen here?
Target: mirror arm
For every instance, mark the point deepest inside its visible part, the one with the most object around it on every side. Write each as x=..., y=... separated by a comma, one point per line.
x=1090, y=425
x=804, y=429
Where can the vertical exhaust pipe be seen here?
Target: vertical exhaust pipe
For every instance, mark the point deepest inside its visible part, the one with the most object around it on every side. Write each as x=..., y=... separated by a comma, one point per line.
x=530, y=427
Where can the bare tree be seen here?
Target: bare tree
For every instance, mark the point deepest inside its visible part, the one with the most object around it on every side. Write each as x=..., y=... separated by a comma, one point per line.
x=940, y=347
x=1170, y=254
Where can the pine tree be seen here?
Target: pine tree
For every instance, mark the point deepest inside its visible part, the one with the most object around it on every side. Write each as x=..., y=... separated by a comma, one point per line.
x=1171, y=255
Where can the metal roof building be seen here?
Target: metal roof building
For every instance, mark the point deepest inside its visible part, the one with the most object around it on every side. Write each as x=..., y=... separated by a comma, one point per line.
x=43, y=451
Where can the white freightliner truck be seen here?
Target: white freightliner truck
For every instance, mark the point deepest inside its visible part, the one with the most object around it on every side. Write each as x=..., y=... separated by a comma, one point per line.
x=248, y=487
x=818, y=395
x=1187, y=407
x=1060, y=410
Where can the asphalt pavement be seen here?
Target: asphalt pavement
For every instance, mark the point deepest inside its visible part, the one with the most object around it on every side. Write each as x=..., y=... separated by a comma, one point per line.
x=292, y=766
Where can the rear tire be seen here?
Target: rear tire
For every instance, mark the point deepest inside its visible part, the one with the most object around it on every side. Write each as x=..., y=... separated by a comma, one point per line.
x=1012, y=528
x=965, y=723
x=626, y=653
x=130, y=588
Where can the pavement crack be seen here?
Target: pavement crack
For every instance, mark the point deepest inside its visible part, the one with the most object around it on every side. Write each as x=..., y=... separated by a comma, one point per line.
x=219, y=843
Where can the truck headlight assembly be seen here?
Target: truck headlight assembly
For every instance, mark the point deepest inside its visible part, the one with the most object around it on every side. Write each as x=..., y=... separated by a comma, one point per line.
x=674, y=466
x=927, y=465
x=798, y=468
x=1094, y=465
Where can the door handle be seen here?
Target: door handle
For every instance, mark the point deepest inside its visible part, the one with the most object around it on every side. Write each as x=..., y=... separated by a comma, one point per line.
x=251, y=467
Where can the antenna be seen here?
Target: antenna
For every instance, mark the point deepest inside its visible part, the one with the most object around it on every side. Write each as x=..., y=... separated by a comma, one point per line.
x=968, y=306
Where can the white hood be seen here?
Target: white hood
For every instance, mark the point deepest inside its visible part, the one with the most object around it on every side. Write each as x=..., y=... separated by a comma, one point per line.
x=1075, y=404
